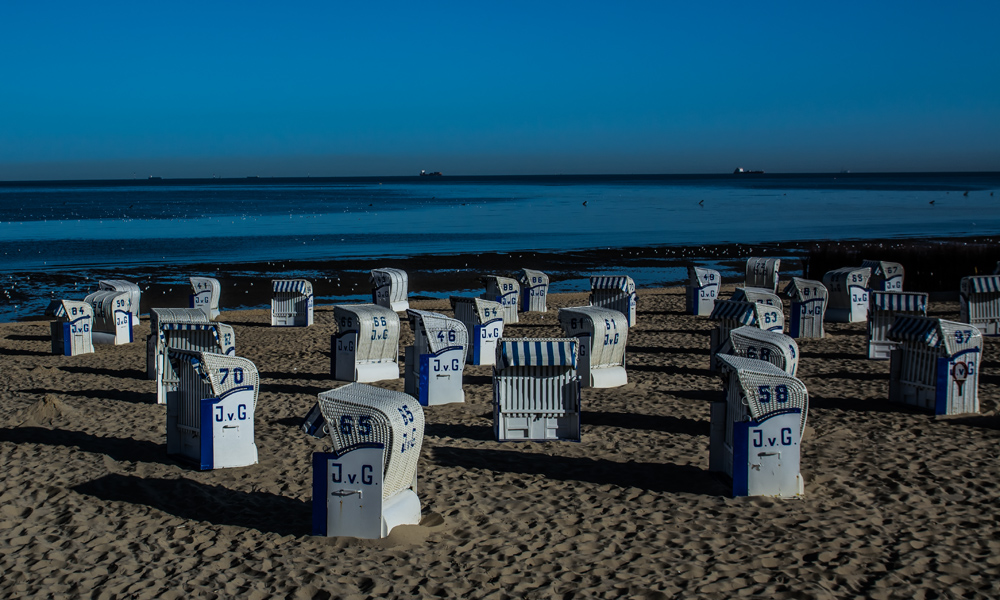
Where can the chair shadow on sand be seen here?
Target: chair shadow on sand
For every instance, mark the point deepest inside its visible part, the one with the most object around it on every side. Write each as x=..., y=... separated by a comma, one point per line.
x=665, y=424
x=655, y=477
x=263, y=511
x=118, y=449
x=116, y=373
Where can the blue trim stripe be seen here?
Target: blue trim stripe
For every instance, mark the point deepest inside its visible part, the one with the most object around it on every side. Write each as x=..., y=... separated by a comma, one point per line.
x=319, y=492
x=207, y=461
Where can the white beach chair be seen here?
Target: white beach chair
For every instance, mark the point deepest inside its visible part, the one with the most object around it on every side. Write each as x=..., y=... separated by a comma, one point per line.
x=205, y=293
x=155, y=350
x=210, y=416
x=504, y=290
x=132, y=289
x=936, y=365
x=776, y=348
x=616, y=292
x=809, y=299
x=207, y=338
x=603, y=335
x=758, y=295
x=484, y=321
x=702, y=290
x=763, y=273
x=534, y=289
x=536, y=390
x=113, y=317
x=979, y=303
x=390, y=288
x=436, y=360
x=848, y=294
x=366, y=345
x=732, y=314
x=71, y=331
x=368, y=484
x=757, y=430
x=291, y=303
x=885, y=276
x=883, y=308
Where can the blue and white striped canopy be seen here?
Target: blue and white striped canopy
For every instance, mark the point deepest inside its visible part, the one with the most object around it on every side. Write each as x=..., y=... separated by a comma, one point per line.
x=528, y=352
x=983, y=284
x=188, y=327
x=912, y=328
x=908, y=301
x=292, y=285
x=616, y=282
x=734, y=309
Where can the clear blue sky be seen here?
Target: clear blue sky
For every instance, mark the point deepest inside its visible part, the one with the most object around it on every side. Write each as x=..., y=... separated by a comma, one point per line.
x=195, y=89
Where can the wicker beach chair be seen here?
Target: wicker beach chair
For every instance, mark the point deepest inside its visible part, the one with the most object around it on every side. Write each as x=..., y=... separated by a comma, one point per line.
x=390, y=288
x=436, y=360
x=883, y=308
x=113, y=317
x=758, y=295
x=71, y=331
x=603, y=336
x=504, y=290
x=732, y=314
x=207, y=338
x=132, y=289
x=366, y=345
x=155, y=343
x=702, y=290
x=368, y=484
x=763, y=273
x=979, y=303
x=848, y=288
x=776, y=348
x=205, y=293
x=756, y=431
x=210, y=416
x=936, y=366
x=536, y=390
x=885, y=276
x=534, y=289
x=616, y=292
x=291, y=303
x=809, y=299
x=484, y=321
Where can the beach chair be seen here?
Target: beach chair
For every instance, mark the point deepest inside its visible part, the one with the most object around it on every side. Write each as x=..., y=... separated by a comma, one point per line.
x=368, y=484
x=113, y=317
x=389, y=289
x=154, y=350
x=291, y=303
x=758, y=295
x=702, y=290
x=734, y=313
x=756, y=431
x=436, y=360
x=71, y=331
x=979, y=303
x=208, y=338
x=883, y=308
x=848, y=294
x=763, y=273
x=504, y=290
x=534, y=289
x=132, y=289
x=536, y=390
x=210, y=416
x=603, y=335
x=366, y=345
x=616, y=292
x=885, y=276
x=809, y=299
x=484, y=321
x=936, y=365
x=205, y=292
x=776, y=348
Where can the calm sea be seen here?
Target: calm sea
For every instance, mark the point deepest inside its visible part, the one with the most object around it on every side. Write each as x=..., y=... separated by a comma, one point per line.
x=75, y=227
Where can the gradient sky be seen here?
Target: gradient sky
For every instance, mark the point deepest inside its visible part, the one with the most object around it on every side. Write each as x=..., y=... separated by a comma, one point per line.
x=189, y=89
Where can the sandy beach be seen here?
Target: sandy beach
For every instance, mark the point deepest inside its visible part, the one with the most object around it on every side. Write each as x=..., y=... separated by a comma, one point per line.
x=898, y=503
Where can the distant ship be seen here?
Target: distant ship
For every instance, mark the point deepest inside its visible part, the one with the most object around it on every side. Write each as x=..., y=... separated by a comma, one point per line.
x=424, y=173
x=741, y=171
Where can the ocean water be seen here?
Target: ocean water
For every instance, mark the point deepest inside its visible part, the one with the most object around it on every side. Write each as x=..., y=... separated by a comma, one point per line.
x=79, y=228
